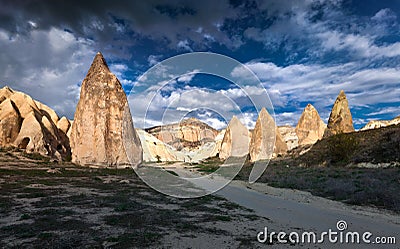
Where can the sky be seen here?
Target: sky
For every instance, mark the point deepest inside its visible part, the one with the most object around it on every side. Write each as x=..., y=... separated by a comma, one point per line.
x=301, y=51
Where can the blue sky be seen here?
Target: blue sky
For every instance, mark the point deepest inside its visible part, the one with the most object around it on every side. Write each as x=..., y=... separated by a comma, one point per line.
x=302, y=51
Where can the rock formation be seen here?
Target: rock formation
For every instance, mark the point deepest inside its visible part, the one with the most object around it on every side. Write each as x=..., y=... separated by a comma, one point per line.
x=102, y=122
x=340, y=120
x=217, y=143
x=64, y=124
x=189, y=133
x=310, y=127
x=376, y=124
x=30, y=125
x=263, y=144
x=289, y=136
x=154, y=150
x=236, y=140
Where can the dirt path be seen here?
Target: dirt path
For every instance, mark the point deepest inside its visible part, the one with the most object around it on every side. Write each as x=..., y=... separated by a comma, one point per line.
x=294, y=210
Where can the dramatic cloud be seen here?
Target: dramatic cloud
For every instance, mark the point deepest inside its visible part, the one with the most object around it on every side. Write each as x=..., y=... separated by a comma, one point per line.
x=48, y=65
x=303, y=51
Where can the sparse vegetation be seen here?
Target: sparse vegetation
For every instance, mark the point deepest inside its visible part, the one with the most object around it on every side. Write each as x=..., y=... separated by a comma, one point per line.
x=36, y=156
x=371, y=146
x=378, y=187
x=209, y=165
x=66, y=210
x=158, y=158
x=342, y=148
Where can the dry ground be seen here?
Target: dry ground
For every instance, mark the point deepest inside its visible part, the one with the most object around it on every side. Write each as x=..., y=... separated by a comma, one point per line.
x=77, y=207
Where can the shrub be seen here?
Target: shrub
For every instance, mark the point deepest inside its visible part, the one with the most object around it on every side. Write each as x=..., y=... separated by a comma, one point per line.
x=341, y=148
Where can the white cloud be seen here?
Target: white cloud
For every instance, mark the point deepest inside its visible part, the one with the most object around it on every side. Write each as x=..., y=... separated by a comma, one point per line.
x=153, y=59
x=184, y=45
x=360, y=46
x=119, y=70
x=386, y=110
x=320, y=84
x=186, y=78
x=48, y=65
x=384, y=15
x=248, y=119
x=215, y=123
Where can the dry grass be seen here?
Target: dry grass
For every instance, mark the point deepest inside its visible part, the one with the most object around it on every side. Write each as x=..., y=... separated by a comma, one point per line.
x=378, y=187
x=97, y=208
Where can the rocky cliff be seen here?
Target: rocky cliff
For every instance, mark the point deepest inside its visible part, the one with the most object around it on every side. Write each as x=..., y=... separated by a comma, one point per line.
x=189, y=133
x=376, y=124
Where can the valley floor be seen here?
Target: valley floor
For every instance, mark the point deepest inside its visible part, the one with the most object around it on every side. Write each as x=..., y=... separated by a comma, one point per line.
x=44, y=204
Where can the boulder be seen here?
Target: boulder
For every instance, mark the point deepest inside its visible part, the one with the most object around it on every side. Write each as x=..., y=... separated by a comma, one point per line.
x=102, y=133
x=340, y=119
x=310, y=127
x=236, y=140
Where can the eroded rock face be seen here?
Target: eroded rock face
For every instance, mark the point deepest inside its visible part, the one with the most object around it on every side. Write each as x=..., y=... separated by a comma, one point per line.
x=217, y=143
x=376, y=124
x=289, y=136
x=63, y=124
x=189, y=133
x=236, y=140
x=310, y=127
x=266, y=140
x=30, y=125
x=102, y=121
x=340, y=119
x=154, y=150
x=10, y=122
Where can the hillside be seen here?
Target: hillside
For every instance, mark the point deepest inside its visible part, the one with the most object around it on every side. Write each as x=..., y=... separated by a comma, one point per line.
x=373, y=146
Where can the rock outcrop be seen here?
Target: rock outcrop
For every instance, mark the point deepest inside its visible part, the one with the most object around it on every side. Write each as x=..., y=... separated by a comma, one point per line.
x=10, y=122
x=376, y=124
x=289, y=136
x=30, y=125
x=189, y=133
x=217, y=143
x=64, y=124
x=310, y=127
x=102, y=133
x=154, y=150
x=340, y=120
x=266, y=140
x=236, y=140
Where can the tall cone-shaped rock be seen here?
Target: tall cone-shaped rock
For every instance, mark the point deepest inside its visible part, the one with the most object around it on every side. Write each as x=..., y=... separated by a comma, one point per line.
x=236, y=140
x=340, y=120
x=102, y=133
x=310, y=127
x=266, y=140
